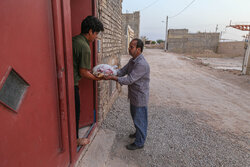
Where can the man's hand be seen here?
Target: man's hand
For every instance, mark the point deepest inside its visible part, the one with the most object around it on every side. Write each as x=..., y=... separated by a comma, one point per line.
x=99, y=78
x=110, y=78
x=107, y=77
x=88, y=75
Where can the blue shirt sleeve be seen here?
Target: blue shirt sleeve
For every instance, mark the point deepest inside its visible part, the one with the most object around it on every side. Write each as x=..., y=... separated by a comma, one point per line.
x=137, y=72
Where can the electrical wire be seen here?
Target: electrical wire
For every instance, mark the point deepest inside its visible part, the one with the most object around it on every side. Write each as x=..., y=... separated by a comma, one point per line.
x=182, y=10
x=149, y=5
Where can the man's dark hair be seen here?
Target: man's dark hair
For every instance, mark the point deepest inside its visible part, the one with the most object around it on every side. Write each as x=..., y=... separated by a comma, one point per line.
x=91, y=22
x=139, y=43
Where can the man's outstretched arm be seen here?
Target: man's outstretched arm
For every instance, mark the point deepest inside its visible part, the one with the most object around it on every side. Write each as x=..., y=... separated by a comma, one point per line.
x=86, y=74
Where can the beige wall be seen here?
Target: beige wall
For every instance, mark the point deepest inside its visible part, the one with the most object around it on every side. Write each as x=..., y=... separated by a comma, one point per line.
x=133, y=20
x=155, y=46
x=130, y=29
x=109, y=12
x=126, y=40
x=232, y=49
x=180, y=41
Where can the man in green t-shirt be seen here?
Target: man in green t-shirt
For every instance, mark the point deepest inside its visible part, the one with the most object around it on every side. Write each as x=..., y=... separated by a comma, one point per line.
x=90, y=28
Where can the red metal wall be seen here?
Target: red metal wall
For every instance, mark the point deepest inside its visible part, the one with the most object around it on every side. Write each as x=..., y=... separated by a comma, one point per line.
x=79, y=10
x=35, y=136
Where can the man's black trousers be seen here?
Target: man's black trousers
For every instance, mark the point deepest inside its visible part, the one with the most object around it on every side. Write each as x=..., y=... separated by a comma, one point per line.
x=77, y=109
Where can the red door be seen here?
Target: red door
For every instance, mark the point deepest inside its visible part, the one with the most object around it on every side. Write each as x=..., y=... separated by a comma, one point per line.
x=32, y=131
x=79, y=10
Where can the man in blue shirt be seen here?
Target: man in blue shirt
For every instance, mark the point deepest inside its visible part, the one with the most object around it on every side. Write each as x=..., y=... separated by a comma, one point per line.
x=136, y=74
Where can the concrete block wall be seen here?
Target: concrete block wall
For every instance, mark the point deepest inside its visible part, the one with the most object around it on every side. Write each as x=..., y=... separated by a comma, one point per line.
x=130, y=21
x=177, y=33
x=110, y=13
x=232, y=49
x=133, y=20
x=127, y=39
x=177, y=39
x=155, y=46
x=200, y=42
x=124, y=44
x=180, y=41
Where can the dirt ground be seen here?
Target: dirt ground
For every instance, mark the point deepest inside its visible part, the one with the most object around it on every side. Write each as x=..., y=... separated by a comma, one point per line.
x=223, y=95
x=197, y=115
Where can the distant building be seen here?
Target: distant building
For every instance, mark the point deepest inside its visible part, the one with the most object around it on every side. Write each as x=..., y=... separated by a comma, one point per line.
x=128, y=38
x=130, y=29
x=133, y=20
x=148, y=42
x=179, y=40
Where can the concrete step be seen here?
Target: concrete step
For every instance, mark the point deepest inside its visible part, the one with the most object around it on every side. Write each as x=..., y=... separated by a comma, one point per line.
x=98, y=151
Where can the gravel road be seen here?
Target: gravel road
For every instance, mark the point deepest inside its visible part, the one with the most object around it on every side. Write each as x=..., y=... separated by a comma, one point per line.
x=197, y=117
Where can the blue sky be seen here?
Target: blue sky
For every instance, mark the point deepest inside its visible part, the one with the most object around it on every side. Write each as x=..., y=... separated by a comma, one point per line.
x=201, y=15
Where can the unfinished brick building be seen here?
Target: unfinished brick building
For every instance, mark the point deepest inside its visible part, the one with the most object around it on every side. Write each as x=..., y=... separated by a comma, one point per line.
x=130, y=29
x=180, y=41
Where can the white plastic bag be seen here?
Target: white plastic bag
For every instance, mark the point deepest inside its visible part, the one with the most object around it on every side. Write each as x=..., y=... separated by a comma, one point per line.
x=104, y=70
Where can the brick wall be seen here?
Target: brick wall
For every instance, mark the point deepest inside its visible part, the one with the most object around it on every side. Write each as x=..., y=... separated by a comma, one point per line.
x=130, y=25
x=126, y=39
x=155, y=46
x=109, y=12
x=180, y=41
x=133, y=20
x=232, y=49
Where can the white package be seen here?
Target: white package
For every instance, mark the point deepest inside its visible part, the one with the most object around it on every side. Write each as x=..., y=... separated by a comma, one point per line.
x=104, y=70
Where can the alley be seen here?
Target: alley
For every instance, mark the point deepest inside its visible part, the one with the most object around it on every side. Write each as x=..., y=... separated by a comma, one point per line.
x=197, y=117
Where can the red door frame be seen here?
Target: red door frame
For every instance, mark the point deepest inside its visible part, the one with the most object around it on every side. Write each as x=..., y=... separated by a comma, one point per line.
x=64, y=65
x=62, y=11
x=66, y=35
x=57, y=47
x=60, y=63
x=79, y=10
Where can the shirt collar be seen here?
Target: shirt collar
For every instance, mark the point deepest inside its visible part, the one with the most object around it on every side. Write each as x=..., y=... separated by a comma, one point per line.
x=137, y=58
x=84, y=38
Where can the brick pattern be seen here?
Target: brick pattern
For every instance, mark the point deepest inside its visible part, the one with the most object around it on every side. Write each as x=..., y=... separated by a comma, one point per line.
x=232, y=49
x=132, y=20
x=180, y=41
x=109, y=12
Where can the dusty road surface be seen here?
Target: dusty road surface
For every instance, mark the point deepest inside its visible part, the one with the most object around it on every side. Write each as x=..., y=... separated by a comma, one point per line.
x=175, y=81
x=198, y=116
x=234, y=63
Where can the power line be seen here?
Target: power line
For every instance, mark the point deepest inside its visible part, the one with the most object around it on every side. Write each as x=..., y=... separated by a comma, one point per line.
x=182, y=10
x=149, y=5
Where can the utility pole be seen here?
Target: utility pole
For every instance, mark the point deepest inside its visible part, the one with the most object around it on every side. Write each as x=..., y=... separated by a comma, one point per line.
x=166, y=37
x=246, y=60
